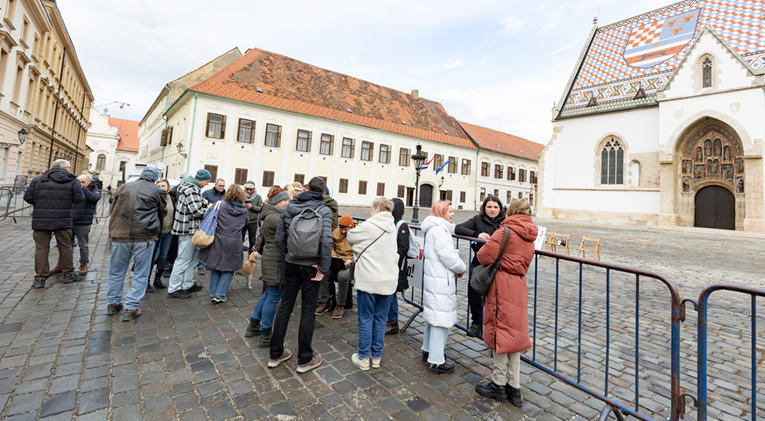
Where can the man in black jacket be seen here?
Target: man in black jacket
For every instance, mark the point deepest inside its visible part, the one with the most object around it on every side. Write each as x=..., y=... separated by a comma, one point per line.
x=52, y=195
x=82, y=219
x=303, y=275
x=136, y=216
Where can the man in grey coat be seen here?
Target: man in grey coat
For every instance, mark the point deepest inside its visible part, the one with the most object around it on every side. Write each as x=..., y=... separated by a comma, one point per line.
x=302, y=275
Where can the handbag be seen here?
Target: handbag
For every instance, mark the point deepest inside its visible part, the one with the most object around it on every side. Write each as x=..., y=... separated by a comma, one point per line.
x=483, y=276
x=205, y=235
x=352, y=266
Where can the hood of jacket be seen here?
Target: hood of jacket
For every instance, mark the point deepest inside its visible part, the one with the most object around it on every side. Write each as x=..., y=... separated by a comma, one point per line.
x=58, y=175
x=383, y=220
x=309, y=195
x=269, y=209
x=398, y=209
x=434, y=221
x=521, y=225
x=234, y=210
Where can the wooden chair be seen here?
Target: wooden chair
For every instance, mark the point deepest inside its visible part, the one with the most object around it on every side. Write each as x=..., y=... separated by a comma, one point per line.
x=561, y=241
x=549, y=241
x=591, y=245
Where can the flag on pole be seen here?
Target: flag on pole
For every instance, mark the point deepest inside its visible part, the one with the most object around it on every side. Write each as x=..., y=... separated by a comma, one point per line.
x=443, y=165
x=425, y=165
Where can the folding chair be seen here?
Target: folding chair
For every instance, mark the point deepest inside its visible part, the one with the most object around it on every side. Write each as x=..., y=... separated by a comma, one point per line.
x=594, y=248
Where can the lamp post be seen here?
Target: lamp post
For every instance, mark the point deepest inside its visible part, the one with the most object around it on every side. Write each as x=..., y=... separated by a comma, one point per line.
x=418, y=159
x=180, y=149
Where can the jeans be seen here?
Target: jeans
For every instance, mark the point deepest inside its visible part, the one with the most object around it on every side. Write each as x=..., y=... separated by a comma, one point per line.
x=393, y=310
x=219, y=282
x=475, y=302
x=185, y=265
x=373, y=310
x=141, y=253
x=265, y=309
x=42, y=250
x=297, y=278
x=161, y=249
x=434, y=343
x=82, y=232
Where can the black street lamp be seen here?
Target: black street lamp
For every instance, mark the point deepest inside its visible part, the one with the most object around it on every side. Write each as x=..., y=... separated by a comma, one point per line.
x=418, y=159
x=22, y=136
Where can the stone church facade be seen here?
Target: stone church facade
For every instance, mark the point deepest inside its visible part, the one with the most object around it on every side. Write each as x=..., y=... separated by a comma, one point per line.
x=662, y=122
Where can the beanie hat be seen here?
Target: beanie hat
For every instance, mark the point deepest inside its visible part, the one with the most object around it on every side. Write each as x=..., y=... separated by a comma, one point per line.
x=151, y=173
x=345, y=221
x=279, y=197
x=203, y=175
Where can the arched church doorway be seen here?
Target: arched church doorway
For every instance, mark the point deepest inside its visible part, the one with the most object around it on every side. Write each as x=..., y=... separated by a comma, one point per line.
x=715, y=208
x=426, y=195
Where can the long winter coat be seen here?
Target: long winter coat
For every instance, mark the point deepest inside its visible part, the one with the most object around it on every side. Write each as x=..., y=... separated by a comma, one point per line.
x=52, y=194
x=225, y=252
x=272, y=260
x=477, y=225
x=441, y=263
x=505, y=312
x=377, y=270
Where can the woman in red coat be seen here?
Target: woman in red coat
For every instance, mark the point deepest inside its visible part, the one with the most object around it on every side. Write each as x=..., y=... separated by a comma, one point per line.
x=505, y=312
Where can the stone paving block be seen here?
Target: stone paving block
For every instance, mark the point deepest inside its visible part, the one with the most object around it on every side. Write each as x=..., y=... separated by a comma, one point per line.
x=24, y=403
x=58, y=404
x=92, y=401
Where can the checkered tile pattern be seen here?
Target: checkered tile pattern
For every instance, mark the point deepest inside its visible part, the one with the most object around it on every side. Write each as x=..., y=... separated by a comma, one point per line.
x=607, y=75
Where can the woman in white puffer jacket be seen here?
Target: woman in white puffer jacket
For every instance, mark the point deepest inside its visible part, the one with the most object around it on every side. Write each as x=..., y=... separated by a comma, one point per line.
x=442, y=265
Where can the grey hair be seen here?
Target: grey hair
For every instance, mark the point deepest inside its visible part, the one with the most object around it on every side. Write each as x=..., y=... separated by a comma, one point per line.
x=61, y=163
x=87, y=177
x=220, y=179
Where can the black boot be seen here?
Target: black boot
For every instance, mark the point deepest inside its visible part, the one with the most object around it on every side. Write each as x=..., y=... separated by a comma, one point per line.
x=149, y=288
x=253, y=329
x=492, y=390
x=158, y=281
x=514, y=395
x=446, y=367
x=474, y=330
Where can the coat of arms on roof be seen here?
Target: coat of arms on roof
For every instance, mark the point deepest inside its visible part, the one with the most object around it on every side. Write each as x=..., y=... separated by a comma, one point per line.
x=654, y=42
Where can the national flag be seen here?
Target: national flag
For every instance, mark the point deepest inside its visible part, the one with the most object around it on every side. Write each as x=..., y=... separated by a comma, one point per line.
x=425, y=165
x=444, y=165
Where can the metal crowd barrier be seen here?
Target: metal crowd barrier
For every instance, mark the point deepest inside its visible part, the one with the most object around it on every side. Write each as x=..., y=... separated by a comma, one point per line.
x=12, y=199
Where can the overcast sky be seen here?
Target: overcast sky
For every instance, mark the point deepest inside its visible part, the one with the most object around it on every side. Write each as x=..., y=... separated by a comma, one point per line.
x=499, y=64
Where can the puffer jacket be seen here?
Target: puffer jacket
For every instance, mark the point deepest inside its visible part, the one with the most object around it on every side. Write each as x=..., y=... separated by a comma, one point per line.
x=137, y=212
x=505, y=312
x=272, y=260
x=189, y=210
x=225, y=252
x=376, y=270
x=329, y=201
x=477, y=225
x=83, y=212
x=441, y=263
x=301, y=202
x=52, y=194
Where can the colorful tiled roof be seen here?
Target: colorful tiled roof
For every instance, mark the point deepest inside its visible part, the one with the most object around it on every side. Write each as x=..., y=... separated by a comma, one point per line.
x=127, y=130
x=293, y=85
x=503, y=142
x=643, y=51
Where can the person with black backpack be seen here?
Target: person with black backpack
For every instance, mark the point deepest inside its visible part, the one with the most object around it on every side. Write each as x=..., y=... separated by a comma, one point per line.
x=304, y=236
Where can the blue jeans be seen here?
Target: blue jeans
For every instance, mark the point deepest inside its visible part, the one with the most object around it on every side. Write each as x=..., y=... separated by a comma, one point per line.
x=393, y=310
x=121, y=253
x=185, y=265
x=265, y=309
x=161, y=250
x=373, y=310
x=434, y=343
x=219, y=282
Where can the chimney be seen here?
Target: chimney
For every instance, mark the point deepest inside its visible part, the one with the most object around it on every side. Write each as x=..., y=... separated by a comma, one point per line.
x=415, y=94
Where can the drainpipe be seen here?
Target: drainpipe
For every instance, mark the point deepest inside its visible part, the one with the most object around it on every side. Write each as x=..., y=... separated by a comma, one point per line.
x=168, y=109
x=475, y=202
x=191, y=137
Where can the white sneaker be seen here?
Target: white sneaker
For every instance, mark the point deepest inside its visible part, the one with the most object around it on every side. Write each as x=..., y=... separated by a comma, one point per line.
x=286, y=355
x=362, y=364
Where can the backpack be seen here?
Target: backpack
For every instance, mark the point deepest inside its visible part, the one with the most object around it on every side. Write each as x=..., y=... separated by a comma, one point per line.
x=414, y=248
x=304, y=236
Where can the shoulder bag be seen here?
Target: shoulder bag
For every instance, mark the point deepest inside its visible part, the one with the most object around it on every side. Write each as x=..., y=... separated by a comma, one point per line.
x=352, y=266
x=483, y=276
x=205, y=235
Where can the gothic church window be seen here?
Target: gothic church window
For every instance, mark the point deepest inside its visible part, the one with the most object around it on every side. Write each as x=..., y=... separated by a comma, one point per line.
x=706, y=73
x=612, y=163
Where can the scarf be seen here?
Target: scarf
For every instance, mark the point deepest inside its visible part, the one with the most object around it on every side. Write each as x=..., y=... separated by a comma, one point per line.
x=250, y=198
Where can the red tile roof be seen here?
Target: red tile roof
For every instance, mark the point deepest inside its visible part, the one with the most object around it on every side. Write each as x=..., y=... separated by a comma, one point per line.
x=293, y=85
x=503, y=142
x=127, y=130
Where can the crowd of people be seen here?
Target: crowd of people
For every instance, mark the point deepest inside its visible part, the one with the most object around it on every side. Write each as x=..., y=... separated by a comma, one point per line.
x=303, y=246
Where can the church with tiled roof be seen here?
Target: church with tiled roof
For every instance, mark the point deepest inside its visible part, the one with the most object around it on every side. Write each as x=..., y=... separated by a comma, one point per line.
x=660, y=123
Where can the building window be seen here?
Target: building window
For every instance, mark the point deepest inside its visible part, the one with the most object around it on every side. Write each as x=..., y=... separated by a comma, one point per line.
x=612, y=163
x=465, y=167
x=520, y=195
x=483, y=194
x=349, y=148
x=300, y=178
x=509, y=197
x=367, y=151
x=452, y=167
x=403, y=157
x=268, y=179
x=11, y=10
x=273, y=135
x=303, y=141
x=401, y=191
x=343, y=188
x=706, y=70
x=213, y=169
x=380, y=189
x=499, y=171
x=496, y=192
x=240, y=176
x=533, y=177
x=101, y=162
x=438, y=160
x=521, y=175
x=511, y=173
x=246, y=132
x=445, y=195
x=216, y=126
x=362, y=187
x=122, y=167
x=327, y=144
x=326, y=180
x=463, y=196
x=384, y=155
x=484, y=169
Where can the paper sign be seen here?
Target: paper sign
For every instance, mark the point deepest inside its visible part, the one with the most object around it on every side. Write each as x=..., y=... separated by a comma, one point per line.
x=540, y=241
x=414, y=266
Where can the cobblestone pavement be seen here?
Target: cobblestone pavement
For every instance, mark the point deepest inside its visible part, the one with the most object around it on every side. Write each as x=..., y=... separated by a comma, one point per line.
x=63, y=358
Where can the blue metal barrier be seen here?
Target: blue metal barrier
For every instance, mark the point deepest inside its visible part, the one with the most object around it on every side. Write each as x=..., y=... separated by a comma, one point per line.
x=12, y=199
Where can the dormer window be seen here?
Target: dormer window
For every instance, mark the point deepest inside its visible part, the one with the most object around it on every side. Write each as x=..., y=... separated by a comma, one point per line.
x=706, y=73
